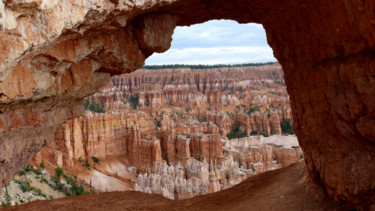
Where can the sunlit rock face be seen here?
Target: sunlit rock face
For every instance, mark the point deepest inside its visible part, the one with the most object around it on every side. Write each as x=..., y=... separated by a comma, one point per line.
x=104, y=135
x=175, y=162
x=53, y=53
x=220, y=95
x=179, y=150
x=240, y=159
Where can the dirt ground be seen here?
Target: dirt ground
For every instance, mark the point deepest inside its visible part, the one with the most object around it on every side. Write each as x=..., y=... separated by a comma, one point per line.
x=284, y=189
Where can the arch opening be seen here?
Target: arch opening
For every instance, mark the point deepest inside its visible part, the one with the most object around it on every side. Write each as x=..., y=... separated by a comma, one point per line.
x=223, y=114
x=329, y=75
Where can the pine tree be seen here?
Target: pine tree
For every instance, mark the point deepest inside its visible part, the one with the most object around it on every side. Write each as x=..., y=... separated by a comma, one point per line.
x=42, y=164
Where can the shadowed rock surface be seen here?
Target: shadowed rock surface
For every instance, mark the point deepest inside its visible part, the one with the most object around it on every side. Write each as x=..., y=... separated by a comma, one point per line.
x=283, y=189
x=54, y=53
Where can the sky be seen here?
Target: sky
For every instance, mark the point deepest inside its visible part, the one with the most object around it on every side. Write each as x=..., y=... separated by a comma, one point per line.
x=216, y=42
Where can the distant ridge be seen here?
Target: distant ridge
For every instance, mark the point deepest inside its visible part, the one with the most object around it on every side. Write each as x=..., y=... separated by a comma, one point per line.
x=201, y=66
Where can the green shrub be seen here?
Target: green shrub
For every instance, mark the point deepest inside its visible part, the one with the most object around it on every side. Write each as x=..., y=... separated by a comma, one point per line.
x=68, y=179
x=37, y=172
x=87, y=164
x=3, y=205
x=39, y=192
x=94, y=106
x=43, y=180
x=95, y=159
x=236, y=132
x=78, y=191
x=42, y=164
x=29, y=168
x=280, y=82
x=60, y=186
x=86, y=103
x=239, y=162
x=7, y=197
x=55, y=179
x=133, y=101
x=24, y=185
x=254, y=133
x=22, y=173
x=59, y=172
x=253, y=109
x=75, y=189
x=286, y=126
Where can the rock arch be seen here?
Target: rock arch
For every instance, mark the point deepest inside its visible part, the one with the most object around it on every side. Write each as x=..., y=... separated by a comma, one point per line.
x=54, y=53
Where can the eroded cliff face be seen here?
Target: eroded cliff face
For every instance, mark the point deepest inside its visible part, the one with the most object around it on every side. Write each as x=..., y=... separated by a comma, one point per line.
x=51, y=57
x=254, y=98
x=169, y=144
x=106, y=135
x=177, y=160
x=53, y=53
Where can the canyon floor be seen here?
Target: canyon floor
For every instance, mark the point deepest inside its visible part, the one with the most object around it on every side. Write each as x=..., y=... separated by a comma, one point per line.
x=283, y=189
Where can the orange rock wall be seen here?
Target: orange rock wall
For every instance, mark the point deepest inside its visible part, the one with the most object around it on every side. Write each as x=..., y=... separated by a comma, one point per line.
x=54, y=53
x=106, y=135
x=207, y=95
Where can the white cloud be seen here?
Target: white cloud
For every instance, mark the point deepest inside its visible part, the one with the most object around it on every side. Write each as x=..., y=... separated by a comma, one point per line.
x=214, y=42
x=215, y=55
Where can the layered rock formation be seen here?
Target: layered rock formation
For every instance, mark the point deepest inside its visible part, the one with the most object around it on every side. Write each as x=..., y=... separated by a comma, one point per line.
x=106, y=135
x=177, y=160
x=160, y=146
x=328, y=65
x=243, y=157
x=253, y=97
x=256, y=151
x=50, y=59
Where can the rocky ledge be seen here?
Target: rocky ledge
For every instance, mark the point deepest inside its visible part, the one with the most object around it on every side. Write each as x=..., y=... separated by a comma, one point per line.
x=54, y=53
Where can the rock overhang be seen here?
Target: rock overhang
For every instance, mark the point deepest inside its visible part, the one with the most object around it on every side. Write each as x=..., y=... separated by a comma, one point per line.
x=54, y=53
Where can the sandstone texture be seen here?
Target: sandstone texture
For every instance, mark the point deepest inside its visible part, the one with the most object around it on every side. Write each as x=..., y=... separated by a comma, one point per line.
x=175, y=163
x=253, y=97
x=177, y=150
x=54, y=53
x=19, y=196
x=283, y=189
x=102, y=135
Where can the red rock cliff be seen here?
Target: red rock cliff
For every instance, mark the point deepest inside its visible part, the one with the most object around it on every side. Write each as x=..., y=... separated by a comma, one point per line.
x=54, y=53
x=171, y=160
x=158, y=137
x=253, y=97
x=102, y=135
